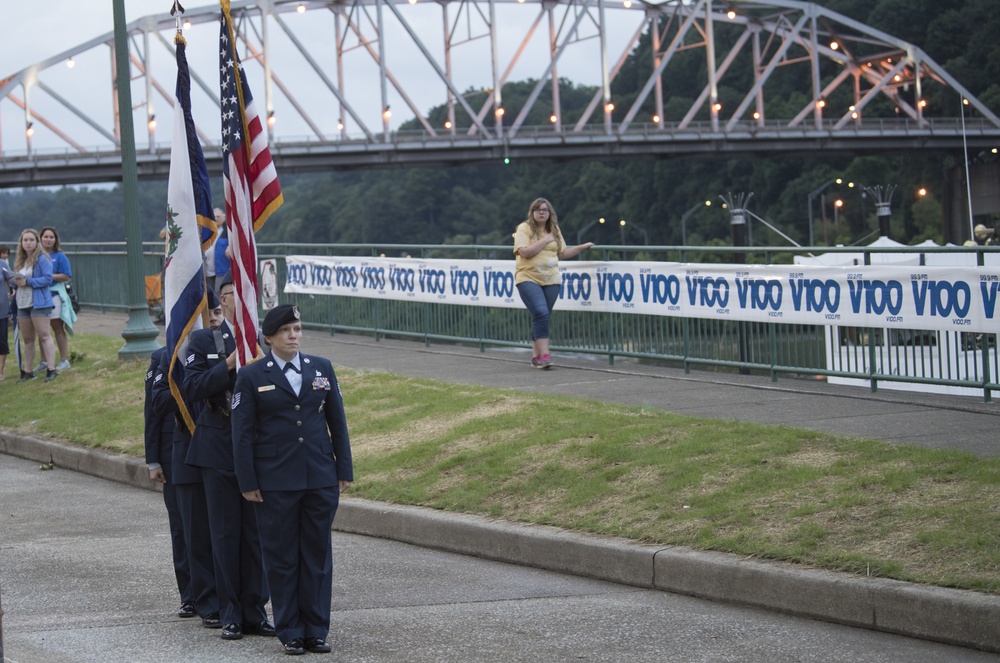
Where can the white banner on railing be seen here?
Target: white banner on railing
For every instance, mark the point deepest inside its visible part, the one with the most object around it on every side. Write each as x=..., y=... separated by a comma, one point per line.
x=901, y=297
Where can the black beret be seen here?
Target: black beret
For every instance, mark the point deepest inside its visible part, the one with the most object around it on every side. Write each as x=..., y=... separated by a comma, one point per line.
x=213, y=299
x=278, y=316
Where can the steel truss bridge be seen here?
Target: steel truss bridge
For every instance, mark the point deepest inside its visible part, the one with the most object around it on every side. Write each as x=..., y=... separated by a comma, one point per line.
x=335, y=78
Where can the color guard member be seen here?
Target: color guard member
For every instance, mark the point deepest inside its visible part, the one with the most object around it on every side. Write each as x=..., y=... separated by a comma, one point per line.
x=209, y=378
x=293, y=459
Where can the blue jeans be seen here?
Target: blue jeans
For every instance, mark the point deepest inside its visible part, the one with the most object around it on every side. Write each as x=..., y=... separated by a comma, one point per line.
x=540, y=299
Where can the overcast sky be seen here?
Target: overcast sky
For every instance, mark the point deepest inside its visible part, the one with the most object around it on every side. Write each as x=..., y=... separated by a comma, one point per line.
x=47, y=29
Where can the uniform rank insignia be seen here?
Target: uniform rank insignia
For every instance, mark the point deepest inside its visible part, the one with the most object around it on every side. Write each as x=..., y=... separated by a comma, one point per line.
x=320, y=382
x=236, y=400
x=190, y=358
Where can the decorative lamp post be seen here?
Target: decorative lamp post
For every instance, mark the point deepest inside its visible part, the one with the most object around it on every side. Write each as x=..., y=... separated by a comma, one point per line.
x=883, y=205
x=139, y=333
x=738, y=221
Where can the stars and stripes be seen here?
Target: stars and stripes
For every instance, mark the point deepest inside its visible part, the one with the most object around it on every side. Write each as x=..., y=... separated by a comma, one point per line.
x=191, y=229
x=250, y=182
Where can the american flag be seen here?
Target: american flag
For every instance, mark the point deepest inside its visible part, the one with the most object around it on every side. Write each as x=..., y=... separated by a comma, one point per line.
x=250, y=182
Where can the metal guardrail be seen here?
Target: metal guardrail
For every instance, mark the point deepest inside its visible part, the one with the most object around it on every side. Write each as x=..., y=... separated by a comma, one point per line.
x=874, y=356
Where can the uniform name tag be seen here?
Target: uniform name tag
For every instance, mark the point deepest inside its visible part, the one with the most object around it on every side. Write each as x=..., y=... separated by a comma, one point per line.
x=267, y=387
x=212, y=356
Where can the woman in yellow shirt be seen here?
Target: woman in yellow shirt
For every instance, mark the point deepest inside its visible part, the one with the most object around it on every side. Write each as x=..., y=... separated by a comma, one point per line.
x=538, y=247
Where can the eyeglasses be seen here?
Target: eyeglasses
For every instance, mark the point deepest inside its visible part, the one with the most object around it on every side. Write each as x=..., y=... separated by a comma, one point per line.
x=226, y=294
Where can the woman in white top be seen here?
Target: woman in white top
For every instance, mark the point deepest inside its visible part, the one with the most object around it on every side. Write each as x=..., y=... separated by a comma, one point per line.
x=33, y=280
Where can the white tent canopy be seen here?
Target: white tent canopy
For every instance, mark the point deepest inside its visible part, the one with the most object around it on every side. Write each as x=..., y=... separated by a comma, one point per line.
x=849, y=258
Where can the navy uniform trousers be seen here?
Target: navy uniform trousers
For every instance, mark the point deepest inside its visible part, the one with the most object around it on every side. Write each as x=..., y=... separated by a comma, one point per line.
x=189, y=494
x=239, y=572
x=293, y=448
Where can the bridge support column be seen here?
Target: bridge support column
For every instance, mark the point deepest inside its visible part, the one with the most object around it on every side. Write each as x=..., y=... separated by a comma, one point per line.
x=140, y=333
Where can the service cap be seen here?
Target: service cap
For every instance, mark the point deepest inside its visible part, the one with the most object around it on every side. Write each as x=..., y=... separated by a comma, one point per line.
x=278, y=316
x=213, y=299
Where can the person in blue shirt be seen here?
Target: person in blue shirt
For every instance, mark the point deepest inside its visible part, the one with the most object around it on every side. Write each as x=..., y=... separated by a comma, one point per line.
x=222, y=265
x=62, y=317
x=6, y=276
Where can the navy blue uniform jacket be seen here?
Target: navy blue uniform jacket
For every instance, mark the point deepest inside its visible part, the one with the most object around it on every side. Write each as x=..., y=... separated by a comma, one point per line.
x=206, y=381
x=288, y=441
x=159, y=431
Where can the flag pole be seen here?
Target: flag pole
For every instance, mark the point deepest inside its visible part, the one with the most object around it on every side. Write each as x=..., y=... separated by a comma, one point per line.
x=140, y=333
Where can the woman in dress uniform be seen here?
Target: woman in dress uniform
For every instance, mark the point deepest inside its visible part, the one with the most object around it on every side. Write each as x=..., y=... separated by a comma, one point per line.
x=293, y=459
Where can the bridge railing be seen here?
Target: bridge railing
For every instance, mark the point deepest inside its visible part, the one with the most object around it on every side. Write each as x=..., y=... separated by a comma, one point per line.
x=696, y=130
x=956, y=362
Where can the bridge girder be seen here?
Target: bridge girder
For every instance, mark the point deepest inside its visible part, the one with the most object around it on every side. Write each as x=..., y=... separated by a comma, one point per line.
x=337, y=69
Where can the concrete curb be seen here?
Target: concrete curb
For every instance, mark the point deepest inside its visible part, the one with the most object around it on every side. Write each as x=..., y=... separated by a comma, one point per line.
x=957, y=617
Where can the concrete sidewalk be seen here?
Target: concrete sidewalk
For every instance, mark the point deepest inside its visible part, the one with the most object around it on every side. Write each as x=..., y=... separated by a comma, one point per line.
x=86, y=575
x=964, y=618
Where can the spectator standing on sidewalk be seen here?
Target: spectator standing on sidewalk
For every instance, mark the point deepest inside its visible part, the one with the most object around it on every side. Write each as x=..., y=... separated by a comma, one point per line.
x=538, y=247
x=6, y=277
x=33, y=281
x=62, y=317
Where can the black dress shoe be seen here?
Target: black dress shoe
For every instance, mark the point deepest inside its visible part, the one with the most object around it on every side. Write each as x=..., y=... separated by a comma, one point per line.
x=294, y=647
x=263, y=628
x=212, y=621
x=317, y=645
x=232, y=632
x=186, y=610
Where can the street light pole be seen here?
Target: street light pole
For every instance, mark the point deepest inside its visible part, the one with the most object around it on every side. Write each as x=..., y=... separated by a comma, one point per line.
x=687, y=215
x=812, y=197
x=579, y=233
x=645, y=235
x=140, y=333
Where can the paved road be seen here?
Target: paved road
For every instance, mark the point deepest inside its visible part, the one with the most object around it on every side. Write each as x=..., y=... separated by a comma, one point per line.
x=85, y=572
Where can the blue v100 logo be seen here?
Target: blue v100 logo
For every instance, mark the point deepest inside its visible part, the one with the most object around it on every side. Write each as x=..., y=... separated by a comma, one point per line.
x=707, y=291
x=615, y=287
x=941, y=298
x=876, y=296
x=660, y=289
x=816, y=295
x=759, y=294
